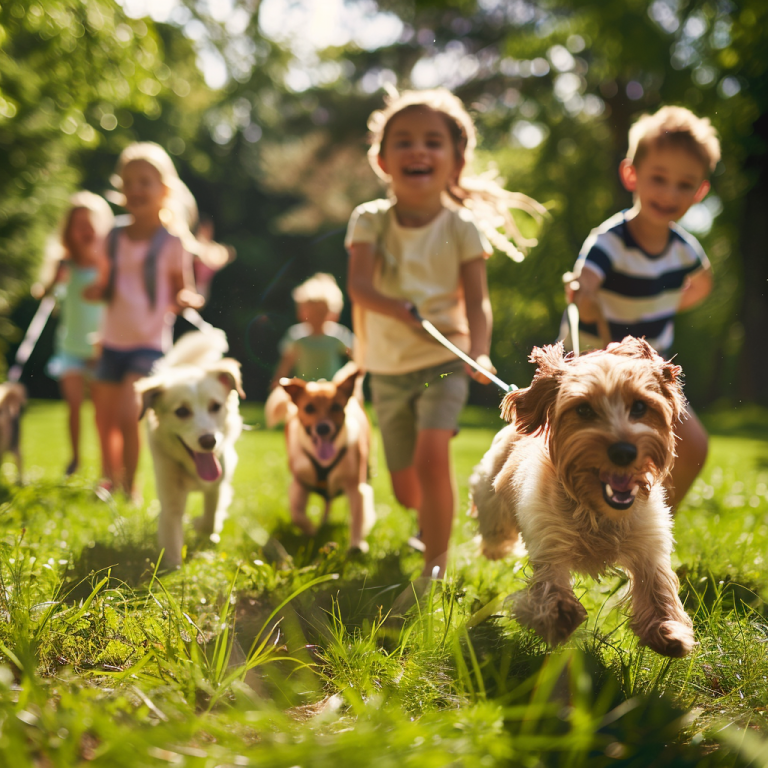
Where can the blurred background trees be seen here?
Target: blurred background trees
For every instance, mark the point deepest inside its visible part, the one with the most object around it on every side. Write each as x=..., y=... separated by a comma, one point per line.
x=263, y=106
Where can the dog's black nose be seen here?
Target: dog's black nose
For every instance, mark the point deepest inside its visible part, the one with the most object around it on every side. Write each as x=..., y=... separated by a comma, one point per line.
x=622, y=453
x=207, y=442
x=323, y=429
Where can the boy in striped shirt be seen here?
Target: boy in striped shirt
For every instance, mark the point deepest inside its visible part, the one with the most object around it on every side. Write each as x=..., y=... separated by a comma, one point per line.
x=638, y=269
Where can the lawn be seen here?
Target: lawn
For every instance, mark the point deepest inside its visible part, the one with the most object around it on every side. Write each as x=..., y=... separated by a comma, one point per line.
x=271, y=649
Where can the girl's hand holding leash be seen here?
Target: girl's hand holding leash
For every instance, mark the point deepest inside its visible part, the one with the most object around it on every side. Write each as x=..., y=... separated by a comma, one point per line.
x=484, y=361
x=188, y=298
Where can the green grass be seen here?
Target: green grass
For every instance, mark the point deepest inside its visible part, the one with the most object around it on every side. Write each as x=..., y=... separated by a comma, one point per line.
x=272, y=649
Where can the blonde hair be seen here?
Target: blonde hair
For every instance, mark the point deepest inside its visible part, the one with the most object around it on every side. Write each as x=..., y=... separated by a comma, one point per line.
x=674, y=127
x=320, y=287
x=179, y=213
x=101, y=216
x=484, y=194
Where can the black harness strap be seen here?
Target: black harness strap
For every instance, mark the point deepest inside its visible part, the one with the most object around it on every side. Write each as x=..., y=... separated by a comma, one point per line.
x=150, y=262
x=321, y=486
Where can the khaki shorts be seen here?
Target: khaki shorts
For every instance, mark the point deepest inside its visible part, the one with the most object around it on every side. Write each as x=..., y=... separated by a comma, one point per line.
x=406, y=403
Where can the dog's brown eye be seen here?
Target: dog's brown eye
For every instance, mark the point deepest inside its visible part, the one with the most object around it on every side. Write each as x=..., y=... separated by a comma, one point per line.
x=309, y=408
x=638, y=409
x=585, y=410
x=214, y=407
x=335, y=408
x=183, y=412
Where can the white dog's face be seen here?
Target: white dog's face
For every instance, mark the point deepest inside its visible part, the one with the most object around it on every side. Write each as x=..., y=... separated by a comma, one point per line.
x=190, y=408
x=609, y=417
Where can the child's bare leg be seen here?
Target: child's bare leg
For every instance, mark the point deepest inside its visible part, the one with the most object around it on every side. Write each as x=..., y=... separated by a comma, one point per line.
x=106, y=402
x=432, y=464
x=692, y=447
x=73, y=388
x=405, y=485
x=129, y=426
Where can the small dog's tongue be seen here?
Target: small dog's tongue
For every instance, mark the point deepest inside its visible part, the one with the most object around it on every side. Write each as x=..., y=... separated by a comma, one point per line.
x=325, y=450
x=207, y=466
x=618, y=482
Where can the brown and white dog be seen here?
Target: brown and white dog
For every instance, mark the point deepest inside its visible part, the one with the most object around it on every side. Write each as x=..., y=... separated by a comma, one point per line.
x=328, y=438
x=13, y=397
x=193, y=422
x=580, y=473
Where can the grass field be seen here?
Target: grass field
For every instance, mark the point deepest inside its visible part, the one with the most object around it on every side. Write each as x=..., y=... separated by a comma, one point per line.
x=275, y=650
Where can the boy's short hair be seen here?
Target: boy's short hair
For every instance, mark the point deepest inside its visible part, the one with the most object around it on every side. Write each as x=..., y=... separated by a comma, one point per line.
x=674, y=127
x=320, y=287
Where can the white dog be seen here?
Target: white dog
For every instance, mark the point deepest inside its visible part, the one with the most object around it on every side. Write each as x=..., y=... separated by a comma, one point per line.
x=193, y=423
x=580, y=472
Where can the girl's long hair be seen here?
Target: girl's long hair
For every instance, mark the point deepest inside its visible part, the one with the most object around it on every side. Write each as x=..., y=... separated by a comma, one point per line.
x=179, y=214
x=483, y=194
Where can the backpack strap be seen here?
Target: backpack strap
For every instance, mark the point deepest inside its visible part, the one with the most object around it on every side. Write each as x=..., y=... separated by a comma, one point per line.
x=150, y=262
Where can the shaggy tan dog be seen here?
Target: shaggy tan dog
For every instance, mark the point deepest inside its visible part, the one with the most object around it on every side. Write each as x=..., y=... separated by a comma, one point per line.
x=579, y=473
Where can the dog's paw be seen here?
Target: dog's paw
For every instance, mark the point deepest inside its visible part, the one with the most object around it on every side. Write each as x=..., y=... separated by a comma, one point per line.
x=497, y=549
x=669, y=638
x=554, y=617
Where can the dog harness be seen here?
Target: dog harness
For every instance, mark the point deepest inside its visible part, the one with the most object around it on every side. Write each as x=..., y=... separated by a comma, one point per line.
x=321, y=485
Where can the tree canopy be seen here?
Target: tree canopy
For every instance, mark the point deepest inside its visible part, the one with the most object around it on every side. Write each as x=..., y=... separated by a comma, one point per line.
x=277, y=154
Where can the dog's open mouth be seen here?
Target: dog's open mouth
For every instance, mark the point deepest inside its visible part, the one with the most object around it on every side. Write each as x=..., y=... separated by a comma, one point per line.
x=206, y=463
x=619, y=491
x=325, y=450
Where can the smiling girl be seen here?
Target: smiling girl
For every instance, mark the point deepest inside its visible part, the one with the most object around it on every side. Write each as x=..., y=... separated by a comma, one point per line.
x=425, y=247
x=147, y=278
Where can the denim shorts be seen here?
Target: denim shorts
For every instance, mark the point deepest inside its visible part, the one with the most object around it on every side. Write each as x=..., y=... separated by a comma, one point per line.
x=115, y=364
x=64, y=364
x=406, y=403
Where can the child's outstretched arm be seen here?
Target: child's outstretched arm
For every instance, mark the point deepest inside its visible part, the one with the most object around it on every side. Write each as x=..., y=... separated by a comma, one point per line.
x=696, y=288
x=361, y=290
x=585, y=296
x=284, y=367
x=474, y=280
x=183, y=282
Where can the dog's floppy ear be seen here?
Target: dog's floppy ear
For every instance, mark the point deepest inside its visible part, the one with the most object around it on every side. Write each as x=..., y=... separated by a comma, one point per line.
x=149, y=389
x=631, y=346
x=228, y=371
x=671, y=381
x=345, y=380
x=530, y=407
x=294, y=387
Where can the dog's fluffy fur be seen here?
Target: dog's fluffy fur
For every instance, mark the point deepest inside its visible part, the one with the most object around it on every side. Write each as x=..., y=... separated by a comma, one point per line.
x=191, y=398
x=13, y=397
x=579, y=472
x=326, y=427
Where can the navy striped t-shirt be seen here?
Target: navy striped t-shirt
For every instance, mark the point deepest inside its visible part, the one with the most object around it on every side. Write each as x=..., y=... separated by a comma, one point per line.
x=640, y=293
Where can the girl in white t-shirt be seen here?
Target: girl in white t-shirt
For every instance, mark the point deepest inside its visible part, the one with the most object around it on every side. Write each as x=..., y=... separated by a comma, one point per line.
x=425, y=247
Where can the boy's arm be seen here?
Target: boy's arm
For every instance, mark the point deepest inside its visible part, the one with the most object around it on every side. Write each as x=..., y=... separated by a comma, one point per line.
x=474, y=280
x=696, y=288
x=585, y=297
x=284, y=367
x=361, y=290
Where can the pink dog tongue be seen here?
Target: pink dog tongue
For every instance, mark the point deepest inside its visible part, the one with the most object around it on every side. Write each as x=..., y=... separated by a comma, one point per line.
x=207, y=466
x=618, y=482
x=325, y=450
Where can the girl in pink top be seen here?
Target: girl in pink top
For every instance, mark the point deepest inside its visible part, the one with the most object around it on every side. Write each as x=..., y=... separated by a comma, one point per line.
x=146, y=280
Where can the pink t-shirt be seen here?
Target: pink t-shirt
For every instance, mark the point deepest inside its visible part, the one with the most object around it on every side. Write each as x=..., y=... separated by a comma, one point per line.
x=130, y=321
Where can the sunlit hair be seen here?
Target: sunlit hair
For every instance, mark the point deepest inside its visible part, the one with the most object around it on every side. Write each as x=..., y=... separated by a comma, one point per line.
x=179, y=213
x=674, y=127
x=483, y=194
x=320, y=287
x=101, y=216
